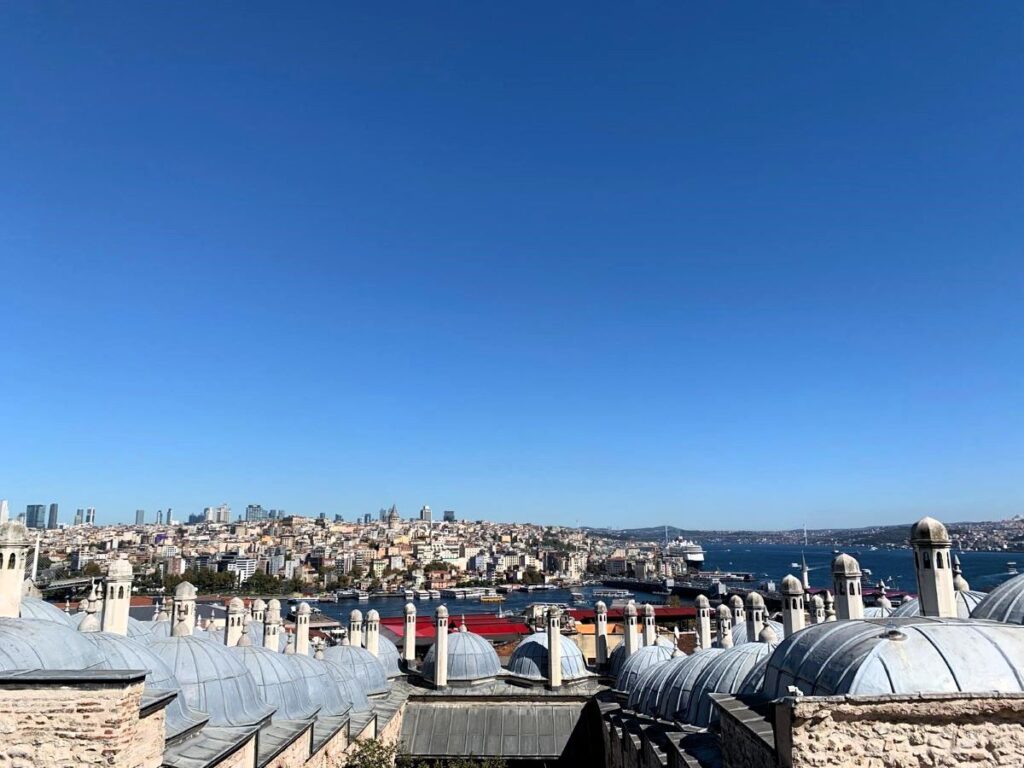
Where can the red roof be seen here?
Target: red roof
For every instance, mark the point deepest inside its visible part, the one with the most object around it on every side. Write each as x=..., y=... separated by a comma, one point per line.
x=660, y=612
x=487, y=626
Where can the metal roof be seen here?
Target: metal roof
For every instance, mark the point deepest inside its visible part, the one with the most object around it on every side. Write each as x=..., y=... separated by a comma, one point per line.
x=325, y=693
x=739, y=632
x=470, y=657
x=726, y=673
x=965, y=605
x=360, y=665
x=646, y=694
x=280, y=684
x=632, y=668
x=1004, y=603
x=514, y=730
x=37, y=608
x=676, y=688
x=43, y=644
x=899, y=655
x=530, y=659
x=388, y=656
x=618, y=655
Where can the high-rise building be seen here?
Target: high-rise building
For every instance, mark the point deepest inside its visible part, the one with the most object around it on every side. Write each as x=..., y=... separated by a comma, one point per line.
x=35, y=516
x=425, y=514
x=51, y=523
x=367, y=518
x=449, y=515
x=90, y=516
x=79, y=516
x=159, y=517
x=255, y=512
x=4, y=511
x=140, y=517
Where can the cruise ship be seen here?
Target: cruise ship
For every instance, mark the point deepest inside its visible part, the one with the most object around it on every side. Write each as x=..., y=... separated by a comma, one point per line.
x=689, y=551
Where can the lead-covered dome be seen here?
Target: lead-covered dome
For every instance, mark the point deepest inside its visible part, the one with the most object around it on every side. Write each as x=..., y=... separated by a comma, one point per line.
x=470, y=658
x=120, y=652
x=618, y=656
x=530, y=659
x=389, y=658
x=966, y=602
x=922, y=655
x=677, y=687
x=280, y=684
x=633, y=667
x=846, y=566
x=1005, y=603
x=322, y=690
x=739, y=632
x=42, y=644
x=37, y=608
x=646, y=693
x=349, y=689
x=726, y=673
x=928, y=530
x=214, y=680
x=361, y=665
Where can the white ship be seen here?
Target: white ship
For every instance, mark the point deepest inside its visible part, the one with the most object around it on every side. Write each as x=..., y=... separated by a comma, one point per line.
x=689, y=551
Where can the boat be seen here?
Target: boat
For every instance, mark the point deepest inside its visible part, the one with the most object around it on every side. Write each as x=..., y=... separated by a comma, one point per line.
x=410, y=594
x=362, y=594
x=613, y=593
x=422, y=594
x=435, y=594
x=492, y=599
x=689, y=552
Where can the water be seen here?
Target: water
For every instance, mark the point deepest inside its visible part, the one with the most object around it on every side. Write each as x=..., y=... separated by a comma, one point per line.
x=766, y=561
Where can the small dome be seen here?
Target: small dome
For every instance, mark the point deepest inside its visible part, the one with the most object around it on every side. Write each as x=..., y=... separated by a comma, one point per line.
x=648, y=610
x=13, y=533
x=371, y=615
x=348, y=688
x=470, y=658
x=281, y=684
x=928, y=530
x=530, y=659
x=1005, y=603
x=303, y=609
x=184, y=591
x=259, y=605
x=966, y=603
x=119, y=568
x=361, y=665
x=120, y=652
x=214, y=680
x=37, y=608
x=646, y=693
x=902, y=656
x=791, y=585
x=236, y=605
x=739, y=632
x=677, y=687
x=355, y=617
x=817, y=602
x=633, y=667
x=701, y=601
x=725, y=673
x=43, y=644
x=736, y=602
x=315, y=676
x=389, y=658
x=630, y=609
x=845, y=565
x=754, y=600
x=618, y=656
x=878, y=611
x=410, y=609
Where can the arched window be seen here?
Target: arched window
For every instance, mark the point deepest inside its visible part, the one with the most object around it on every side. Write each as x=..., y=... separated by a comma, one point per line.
x=938, y=560
x=10, y=562
x=925, y=560
x=120, y=592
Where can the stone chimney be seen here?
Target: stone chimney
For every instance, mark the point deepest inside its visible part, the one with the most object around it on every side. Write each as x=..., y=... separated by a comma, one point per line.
x=703, y=621
x=441, y=648
x=935, y=591
x=959, y=582
x=723, y=629
x=755, y=616
x=119, y=597
x=302, y=629
x=650, y=629
x=409, y=634
x=817, y=610
x=355, y=628
x=601, y=634
x=14, y=546
x=272, y=626
x=830, y=607
x=91, y=622
x=554, y=648
x=373, y=632
x=629, y=639
x=846, y=581
x=736, y=607
x=259, y=610
x=792, y=605
x=234, y=621
x=183, y=609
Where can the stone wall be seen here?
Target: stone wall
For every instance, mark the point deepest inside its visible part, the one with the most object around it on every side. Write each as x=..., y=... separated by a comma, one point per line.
x=333, y=753
x=243, y=758
x=295, y=754
x=740, y=746
x=939, y=731
x=76, y=725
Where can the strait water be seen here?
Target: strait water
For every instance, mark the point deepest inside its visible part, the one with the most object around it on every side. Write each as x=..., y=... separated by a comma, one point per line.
x=768, y=562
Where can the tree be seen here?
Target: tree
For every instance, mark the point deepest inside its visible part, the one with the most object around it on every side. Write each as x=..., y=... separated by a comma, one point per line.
x=92, y=569
x=371, y=754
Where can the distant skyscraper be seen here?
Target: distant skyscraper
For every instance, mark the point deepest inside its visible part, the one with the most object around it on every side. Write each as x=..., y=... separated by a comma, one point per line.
x=90, y=516
x=51, y=523
x=35, y=515
x=425, y=514
x=159, y=517
x=449, y=515
x=255, y=513
x=79, y=516
x=367, y=518
x=140, y=517
x=4, y=511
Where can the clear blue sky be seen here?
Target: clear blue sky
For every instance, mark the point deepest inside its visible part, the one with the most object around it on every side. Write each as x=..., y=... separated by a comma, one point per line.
x=708, y=264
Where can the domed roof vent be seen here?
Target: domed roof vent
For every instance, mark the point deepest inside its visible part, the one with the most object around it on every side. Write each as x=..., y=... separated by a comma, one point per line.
x=739, y=632
x=120, y=652
x=281, y=684
x=530, y=659
x=677, y=687
x=633, y=667
x=214, y=680
x=966, y=604
x=928, y=530
x=618, y=656
x=389, y=658
x=43, y=644
x=349, y=689
x=845, y=565
x=470, y=658
x=361, y=665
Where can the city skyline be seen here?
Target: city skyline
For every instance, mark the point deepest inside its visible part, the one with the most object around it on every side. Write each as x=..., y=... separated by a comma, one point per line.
x=738, y=266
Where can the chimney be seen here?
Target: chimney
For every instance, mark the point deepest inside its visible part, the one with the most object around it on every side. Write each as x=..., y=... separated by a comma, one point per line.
x=650, y=630
x=736, y=606
x=259, y=610
x=183, y=610
x=601, y=634
x=724, y=628
x=936, y=593
x=302, y=629
x=13, y=551
x=703, y=621
x=373, y=632
x=441, y=648
x=355, y=628
x=817, y=610
x=119, y=597
x=91, y=622
x=830, y=607
x=846, y=581
x=233, y=622
x=409, y=634
x=629, y=638
x=554, y=648
x=272, y=626
x=792, y=605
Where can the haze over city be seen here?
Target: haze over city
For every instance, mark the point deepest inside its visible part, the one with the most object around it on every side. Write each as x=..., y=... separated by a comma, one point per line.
x=657, y=265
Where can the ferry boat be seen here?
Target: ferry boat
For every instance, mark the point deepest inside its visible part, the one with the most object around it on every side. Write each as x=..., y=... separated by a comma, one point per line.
x=422, y=594
x=410, y=594
x=613, y=594
x=492, y=599
x=435, y=594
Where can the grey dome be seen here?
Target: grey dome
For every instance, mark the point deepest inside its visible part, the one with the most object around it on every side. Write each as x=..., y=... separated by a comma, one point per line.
x=349, y=689
x=159, y=629
x=926, y=656
x=470, y=658
x=136, y=628
x=726, y=673
x=754, y=680
x=928, y=530
x=37, y=608
x=618, y=656
x=633, y=667
x=678, y=686
x=846, y=566
x=647, y=691
x=43, y=644
x=1004, y=603
x=120, y=652
x=319, y=686
x=280, y=684
x=388, y=656
x=739, y=632
x=878, y=611
x=214, y=680
x=361, y=665
x=966, y=602
x=530, y=659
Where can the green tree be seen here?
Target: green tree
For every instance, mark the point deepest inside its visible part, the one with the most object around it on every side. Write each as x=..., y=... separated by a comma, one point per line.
x=372, y=754
x=92, y=569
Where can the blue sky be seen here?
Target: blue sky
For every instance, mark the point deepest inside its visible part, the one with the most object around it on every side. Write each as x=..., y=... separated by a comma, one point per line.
x=706, y=264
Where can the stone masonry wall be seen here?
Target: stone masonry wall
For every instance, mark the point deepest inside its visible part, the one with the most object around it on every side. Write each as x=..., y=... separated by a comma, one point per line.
x=740, y=747
x=295, y=754
x=908, y=732
x=243, y=758
x=75, y=727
